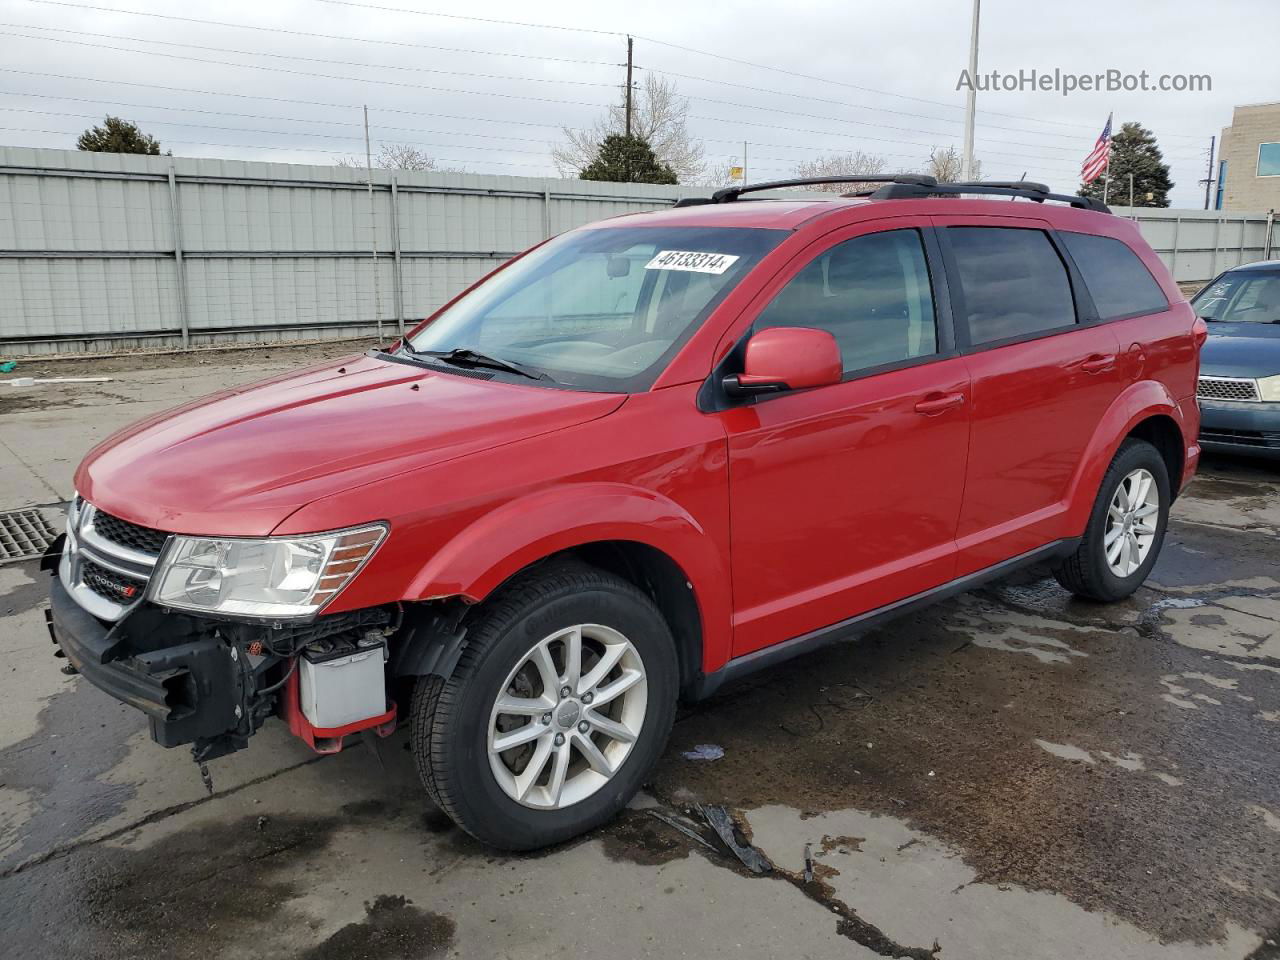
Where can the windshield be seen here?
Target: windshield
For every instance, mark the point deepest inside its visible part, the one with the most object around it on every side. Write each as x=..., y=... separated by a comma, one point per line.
x=602, y=309
x=1241, y=297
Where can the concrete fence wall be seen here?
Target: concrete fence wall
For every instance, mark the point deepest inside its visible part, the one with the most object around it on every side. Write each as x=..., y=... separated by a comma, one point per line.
x=1197, y=245
x=101, y=252
x=107, y=251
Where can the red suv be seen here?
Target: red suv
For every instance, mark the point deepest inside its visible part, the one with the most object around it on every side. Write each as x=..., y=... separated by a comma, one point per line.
x=644, y=458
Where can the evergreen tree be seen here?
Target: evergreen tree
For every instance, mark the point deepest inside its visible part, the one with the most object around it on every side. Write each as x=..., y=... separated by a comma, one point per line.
x=117, y=136
x=1134, y=150
x=623, y=159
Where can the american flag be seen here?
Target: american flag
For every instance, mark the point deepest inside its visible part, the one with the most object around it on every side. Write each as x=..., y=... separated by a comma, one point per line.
x=1096, y=162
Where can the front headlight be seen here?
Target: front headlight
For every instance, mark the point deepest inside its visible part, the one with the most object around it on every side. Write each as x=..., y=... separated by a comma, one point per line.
x=1269, y=388
x=271, y=577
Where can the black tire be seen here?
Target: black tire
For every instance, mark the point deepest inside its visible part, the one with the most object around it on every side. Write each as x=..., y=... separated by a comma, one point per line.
x=450, y=719
x=1086, y=572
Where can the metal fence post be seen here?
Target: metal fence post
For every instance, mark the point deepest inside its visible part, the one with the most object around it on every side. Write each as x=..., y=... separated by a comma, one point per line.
x=1173, y=255
x=395, y=240
x=1217, y=234
x=1268, y=233
x=180, y=267
x=1244, y=226
x=546, y=212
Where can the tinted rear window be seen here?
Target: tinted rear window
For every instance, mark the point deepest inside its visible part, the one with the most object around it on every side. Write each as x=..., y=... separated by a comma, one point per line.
x=1013, y=281
x=1120, y=283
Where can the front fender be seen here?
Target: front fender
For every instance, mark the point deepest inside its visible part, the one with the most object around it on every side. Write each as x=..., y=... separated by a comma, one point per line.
x=511, y=537
x=1137, y=402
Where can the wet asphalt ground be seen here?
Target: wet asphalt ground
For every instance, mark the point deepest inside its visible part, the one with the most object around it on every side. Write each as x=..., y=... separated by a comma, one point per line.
x=1007, y=774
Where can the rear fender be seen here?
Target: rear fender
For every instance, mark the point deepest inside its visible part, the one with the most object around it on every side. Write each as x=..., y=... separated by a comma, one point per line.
x=1140, y=400
x=510, y=538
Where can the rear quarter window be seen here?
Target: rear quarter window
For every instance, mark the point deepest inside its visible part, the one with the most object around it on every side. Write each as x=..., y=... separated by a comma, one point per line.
x=1119, y=282
x=1013, y=283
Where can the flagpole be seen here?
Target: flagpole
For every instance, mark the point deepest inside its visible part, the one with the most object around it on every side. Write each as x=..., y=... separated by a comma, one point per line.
x=1106, y=172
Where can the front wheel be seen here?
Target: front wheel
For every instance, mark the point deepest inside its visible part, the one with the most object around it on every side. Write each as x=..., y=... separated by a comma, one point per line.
x=1126, y=528
x=559, y=706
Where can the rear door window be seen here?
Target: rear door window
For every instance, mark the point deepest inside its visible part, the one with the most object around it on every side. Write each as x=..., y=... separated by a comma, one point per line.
x=1012, y=281
x=1120, y=283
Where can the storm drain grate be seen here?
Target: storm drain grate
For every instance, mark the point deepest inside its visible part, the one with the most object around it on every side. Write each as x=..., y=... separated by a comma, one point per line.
x=24, y=534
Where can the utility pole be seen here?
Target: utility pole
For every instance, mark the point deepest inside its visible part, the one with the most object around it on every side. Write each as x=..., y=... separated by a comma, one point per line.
x=373, y=223
x=971, y=99
x=1131, y=191
x=630, y=46
x=744, y=163
x=1208, y=177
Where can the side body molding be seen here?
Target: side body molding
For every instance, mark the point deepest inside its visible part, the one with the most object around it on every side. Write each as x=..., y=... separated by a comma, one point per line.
x=511, y=537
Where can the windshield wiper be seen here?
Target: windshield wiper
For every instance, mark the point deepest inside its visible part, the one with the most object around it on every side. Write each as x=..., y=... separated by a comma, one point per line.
x=465, y=356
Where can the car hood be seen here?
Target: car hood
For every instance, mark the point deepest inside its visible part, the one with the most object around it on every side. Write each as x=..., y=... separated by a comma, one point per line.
x=239, y=462
x=1241, y=350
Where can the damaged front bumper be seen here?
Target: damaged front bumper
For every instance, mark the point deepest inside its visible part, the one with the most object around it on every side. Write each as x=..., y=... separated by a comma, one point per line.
x=202, y=681
x=196, y=690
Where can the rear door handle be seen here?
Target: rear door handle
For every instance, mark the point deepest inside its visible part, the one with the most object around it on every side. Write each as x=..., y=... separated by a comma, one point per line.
x=1099, y=363
x=936, y=403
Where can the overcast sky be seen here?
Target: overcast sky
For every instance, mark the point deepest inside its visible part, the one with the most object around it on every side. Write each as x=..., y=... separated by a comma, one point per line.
x=495, y=102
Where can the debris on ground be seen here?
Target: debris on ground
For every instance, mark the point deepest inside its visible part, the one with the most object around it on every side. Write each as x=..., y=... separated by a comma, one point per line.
x=808, y=863
x=685, y=827
x=34, y=381
x=7, y=366
x=704, y=751
x=726, y=828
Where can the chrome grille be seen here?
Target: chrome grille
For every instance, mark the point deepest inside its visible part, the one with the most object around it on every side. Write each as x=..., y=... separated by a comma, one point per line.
x=111, y=585
x=107, y=562
x=1227, y=388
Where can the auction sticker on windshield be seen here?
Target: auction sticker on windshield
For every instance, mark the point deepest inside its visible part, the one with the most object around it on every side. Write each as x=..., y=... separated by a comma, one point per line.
x=691, y=261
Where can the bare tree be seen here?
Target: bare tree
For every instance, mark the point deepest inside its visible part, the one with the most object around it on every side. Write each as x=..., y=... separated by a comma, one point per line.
x=857, y=164
x=395, y=156
x=658, y=116
x=949, y=165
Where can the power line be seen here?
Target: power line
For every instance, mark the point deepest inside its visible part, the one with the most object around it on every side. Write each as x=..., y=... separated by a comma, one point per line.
x=296, y=133
x=729, y=103
x=317, y=76
x=259, y=116
x=717, y=56
x=287, y=56
x=348, y=106
x=808, y=148
x=494, y=20
x=325, y=36
x=259, y=146
x=1061, y=149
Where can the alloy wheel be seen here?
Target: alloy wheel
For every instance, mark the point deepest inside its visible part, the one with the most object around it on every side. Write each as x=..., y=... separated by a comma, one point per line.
x=567, y=716
x=1132, y=517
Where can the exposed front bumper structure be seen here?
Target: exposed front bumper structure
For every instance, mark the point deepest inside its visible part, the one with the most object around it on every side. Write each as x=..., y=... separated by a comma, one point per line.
x=196, y=689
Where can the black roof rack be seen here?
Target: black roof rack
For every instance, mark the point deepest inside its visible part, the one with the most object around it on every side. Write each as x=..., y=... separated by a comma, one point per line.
x=733, y=193
x=1007, y=184
x=1036, y=192
x=898, y=186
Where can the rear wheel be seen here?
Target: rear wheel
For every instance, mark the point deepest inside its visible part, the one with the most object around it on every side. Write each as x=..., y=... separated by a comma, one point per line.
x=1126, y=528
x=559, y=706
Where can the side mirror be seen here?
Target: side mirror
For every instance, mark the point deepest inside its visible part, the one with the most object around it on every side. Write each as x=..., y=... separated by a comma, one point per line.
x=787, y=358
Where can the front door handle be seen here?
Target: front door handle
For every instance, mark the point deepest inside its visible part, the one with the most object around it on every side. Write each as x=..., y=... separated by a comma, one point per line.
x=936, y=403
x=1099, y=363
